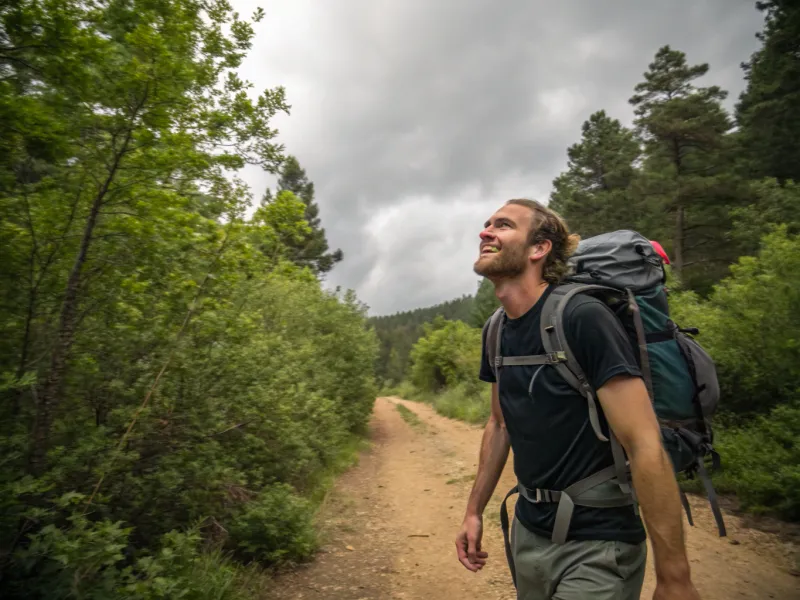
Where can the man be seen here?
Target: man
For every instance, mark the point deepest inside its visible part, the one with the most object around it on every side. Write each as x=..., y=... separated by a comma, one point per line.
x=523, y=251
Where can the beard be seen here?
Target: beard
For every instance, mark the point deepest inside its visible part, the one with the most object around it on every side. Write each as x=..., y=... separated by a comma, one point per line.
x=511, y=261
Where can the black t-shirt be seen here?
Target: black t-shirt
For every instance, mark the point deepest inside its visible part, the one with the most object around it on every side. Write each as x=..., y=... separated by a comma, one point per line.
x=552, y=439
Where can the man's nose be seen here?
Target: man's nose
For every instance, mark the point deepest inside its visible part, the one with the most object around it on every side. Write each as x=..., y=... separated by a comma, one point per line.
x=486, y=234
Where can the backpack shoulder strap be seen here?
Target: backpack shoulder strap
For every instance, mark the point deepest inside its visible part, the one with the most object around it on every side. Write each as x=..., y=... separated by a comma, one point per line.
x=492, y=330
x=554, y=339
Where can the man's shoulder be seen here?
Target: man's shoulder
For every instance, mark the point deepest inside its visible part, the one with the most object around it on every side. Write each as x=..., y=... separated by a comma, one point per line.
x=495, y=315
x=585, y=315
x=586, y=306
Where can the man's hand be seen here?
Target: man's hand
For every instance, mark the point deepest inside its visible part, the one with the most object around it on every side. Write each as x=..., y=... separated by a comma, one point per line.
x=676, y=591
x=468, y=544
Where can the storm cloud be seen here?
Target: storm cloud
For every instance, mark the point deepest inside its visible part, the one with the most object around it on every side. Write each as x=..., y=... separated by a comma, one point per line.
x=415, y=119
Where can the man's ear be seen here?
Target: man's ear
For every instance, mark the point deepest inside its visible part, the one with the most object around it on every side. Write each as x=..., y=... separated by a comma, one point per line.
x=540, y=250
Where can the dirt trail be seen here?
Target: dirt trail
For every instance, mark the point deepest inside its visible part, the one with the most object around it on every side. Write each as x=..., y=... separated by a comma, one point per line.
x=390, y=524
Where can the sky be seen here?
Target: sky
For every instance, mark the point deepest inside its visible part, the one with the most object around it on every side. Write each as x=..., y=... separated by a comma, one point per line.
x=416, y=119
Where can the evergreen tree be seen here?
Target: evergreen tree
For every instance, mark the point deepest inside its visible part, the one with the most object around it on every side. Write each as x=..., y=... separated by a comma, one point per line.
x=312, y=249
x=594, y=194
x=686, y=172
x=485, y=303
x=767, y=112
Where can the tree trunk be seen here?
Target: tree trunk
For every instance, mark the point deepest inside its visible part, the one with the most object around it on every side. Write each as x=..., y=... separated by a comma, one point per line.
x=50, y=396
x=677, y=252
x=680, y=227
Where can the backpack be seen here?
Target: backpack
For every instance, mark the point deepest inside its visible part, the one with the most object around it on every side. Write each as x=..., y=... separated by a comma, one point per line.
x=624, y=271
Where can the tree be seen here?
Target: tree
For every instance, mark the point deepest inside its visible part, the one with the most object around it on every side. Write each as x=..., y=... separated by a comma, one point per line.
x=485, y=303
x=312, y=249
x=686, y=171
x=150, y=113
x=774, y=206
x=767, y=111
x=594, y=194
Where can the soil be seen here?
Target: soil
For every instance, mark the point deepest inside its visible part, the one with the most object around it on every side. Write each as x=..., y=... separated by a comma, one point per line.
x=389, y=527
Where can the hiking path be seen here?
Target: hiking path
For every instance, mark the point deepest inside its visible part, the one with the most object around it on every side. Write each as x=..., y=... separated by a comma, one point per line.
x=389, y=527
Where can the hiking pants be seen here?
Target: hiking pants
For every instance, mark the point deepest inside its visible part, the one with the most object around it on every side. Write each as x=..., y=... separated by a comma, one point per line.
x=577, y=570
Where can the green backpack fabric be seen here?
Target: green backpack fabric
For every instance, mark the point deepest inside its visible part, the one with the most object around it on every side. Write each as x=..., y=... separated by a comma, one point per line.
x=623, y=270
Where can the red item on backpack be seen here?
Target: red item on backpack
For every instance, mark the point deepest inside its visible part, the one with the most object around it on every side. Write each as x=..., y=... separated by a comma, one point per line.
x=660, y=250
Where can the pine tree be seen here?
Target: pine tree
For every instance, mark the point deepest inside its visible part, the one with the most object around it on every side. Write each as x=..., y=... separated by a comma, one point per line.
x=485, y=303
x=767, y=112
x=594, y=194
x=686, y=172
x=312, y=250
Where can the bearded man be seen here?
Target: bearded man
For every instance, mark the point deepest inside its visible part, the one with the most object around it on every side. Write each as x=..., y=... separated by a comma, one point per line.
x=524, y=250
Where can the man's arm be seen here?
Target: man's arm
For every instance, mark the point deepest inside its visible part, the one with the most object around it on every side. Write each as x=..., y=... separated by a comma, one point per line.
x=631, y=416
x=493, y=456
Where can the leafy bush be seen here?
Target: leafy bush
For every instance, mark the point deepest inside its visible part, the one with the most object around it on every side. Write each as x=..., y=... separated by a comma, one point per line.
x=444, y=372
x=762, y=462
x=462, y=402
x=275, y=527
x=86, y=560
x=750, y=326
x=448, y=354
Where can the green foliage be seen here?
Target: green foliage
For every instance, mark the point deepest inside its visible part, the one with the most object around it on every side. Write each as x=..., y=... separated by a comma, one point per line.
x=446, y=355
x=465, y=402
x=595, y=192
x=750, y=324
x=762, y=462
x=164, y=360
x=275, y=527
x=409, y=416
x=310, y=249
x=773, y=205
x=686, y=172
x=767, y=110
x=485, y=303
x=86, y=560
x=444, y=372
x=399, y=332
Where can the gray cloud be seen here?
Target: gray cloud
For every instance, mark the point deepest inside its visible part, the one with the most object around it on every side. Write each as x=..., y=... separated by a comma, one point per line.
x=416, y=118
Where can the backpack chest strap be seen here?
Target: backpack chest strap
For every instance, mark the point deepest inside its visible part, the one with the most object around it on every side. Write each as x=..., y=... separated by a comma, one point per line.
x=550, y=358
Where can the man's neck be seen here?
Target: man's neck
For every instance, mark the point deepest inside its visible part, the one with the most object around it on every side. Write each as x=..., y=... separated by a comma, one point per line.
x=519, y=295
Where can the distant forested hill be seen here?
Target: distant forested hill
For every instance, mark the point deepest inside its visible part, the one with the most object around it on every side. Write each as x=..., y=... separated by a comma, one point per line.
x=399, y=332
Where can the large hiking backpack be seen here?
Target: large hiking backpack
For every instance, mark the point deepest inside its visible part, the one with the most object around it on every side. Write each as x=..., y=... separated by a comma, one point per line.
x=623, y=270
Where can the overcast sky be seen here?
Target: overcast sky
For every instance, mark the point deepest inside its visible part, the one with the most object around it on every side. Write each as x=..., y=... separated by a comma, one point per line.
x=416, y=119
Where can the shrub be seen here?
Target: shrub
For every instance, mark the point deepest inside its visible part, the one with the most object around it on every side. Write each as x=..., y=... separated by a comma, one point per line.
x=463, y=402
x=762, y=463
x=446, y=355
x=275, y=527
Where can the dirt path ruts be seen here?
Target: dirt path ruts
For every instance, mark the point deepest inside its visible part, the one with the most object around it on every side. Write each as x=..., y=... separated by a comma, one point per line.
x=390, y=524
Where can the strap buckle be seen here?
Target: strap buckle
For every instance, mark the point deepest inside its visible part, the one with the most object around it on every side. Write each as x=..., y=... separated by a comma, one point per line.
x=498, y=362
x=556, y=357
x=543, y=496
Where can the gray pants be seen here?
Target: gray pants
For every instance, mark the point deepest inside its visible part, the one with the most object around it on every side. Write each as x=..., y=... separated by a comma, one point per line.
x=577, y=570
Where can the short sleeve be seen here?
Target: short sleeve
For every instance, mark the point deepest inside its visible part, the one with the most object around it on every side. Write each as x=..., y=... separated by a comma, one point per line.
x=486, y=373
x=599, y=342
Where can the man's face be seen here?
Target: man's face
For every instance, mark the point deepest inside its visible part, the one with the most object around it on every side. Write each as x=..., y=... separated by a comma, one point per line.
x=504, y=249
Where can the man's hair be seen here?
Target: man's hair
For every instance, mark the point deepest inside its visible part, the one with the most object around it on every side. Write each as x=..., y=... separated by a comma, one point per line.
x=548, y=225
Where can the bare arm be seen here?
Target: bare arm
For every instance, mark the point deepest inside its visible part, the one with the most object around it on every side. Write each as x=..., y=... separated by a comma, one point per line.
x=631, y=416
x=493, y=455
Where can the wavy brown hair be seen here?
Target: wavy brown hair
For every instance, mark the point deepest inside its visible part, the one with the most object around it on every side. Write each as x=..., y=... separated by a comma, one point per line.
x=549, y=225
